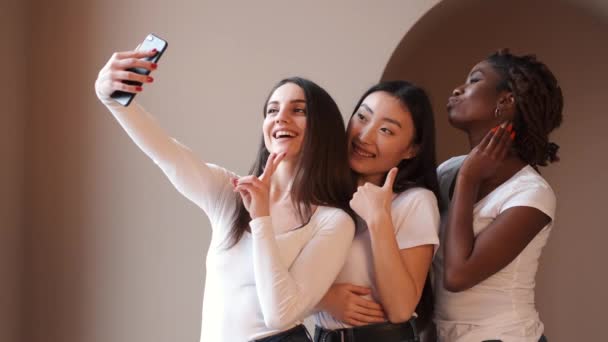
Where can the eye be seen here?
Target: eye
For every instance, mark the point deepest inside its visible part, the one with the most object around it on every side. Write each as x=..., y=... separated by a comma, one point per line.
x=386, y=131
x=271, y=111
x=474, y=80
x=300, y=110
x=361, y=117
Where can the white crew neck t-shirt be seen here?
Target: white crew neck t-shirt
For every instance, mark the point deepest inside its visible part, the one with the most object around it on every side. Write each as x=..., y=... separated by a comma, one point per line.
x=502, y=306
x=415, y=217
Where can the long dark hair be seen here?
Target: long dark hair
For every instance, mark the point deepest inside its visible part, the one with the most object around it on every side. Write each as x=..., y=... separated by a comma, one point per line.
x=539, y=103
x=323, y=176
x=420, y=170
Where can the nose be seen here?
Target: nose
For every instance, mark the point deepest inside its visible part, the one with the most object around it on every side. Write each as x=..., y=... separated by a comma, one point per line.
x=457, y=91
x=367, y=136
x=282, y=116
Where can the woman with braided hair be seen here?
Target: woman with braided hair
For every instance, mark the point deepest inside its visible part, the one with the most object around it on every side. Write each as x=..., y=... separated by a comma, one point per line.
x=501, y=209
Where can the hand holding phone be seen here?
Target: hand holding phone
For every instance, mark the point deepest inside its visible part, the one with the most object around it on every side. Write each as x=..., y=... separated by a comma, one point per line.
x=151, y=42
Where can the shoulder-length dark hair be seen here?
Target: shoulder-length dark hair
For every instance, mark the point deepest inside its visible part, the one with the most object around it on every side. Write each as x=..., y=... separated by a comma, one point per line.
x=420, y=170
x=323, y=176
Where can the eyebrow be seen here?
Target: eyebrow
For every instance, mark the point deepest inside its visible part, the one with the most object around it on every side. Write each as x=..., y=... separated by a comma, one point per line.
x=389, y=120
x=476, y=70
x=292, y=101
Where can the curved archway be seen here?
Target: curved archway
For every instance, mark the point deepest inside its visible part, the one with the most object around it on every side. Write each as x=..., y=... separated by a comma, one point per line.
x=438, y=52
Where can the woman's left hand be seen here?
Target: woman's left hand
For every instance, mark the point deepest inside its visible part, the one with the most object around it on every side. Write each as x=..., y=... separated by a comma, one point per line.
x=371, y=200
x=483, y=160
x=254, y=191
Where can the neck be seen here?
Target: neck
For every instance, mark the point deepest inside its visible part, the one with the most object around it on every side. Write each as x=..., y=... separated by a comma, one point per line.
x=478, y=131
x=282, y=181
x=375, y=179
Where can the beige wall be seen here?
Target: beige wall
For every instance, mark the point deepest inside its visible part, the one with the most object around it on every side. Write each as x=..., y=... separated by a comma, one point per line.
x=439, y=52
x=13, y=94
x=113, y=253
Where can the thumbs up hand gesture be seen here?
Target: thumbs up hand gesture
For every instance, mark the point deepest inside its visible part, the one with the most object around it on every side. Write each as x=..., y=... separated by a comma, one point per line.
x=370, y=200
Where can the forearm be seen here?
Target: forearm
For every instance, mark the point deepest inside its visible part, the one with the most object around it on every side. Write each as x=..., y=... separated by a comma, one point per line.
x=276, y=289
x=145, y=132
x=395, y=283
x=188, y=174
x=289, y=291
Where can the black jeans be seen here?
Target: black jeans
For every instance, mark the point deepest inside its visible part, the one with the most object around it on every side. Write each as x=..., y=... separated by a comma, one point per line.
x=385, y=332
x=295, y=334
x=542, y=339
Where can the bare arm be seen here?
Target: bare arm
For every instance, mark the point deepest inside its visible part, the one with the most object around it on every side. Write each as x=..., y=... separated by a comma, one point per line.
x=400, y=274
x=469, y=259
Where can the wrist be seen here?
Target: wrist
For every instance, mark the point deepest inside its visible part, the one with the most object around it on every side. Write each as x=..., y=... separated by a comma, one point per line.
x=468, y=180
x=379, y=220
x=467, y=183
x=260, y=212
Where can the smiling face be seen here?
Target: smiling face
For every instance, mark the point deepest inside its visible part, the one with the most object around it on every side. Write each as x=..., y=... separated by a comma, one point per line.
x=380, y=135
x=285, y=121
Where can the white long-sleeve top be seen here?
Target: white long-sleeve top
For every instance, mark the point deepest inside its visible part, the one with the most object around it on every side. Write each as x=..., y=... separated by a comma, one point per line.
x=274, y=276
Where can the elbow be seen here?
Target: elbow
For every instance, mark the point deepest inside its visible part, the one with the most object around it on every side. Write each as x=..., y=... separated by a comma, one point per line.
x=277, y=321
x=455, y=282
x=399, y=316
x=399, y=313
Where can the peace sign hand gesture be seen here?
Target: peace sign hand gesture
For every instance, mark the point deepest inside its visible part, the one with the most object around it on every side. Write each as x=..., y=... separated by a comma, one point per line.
x=371, y=200
x=254, y=191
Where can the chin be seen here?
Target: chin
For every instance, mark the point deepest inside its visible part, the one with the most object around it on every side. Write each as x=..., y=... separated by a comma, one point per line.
x=357, y=166
x=455, y=122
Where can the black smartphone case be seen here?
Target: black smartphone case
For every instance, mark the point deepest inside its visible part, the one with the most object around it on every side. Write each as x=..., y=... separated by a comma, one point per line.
x=151, y=42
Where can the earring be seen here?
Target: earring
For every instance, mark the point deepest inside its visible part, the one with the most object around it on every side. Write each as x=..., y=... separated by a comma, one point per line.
x=497, y=112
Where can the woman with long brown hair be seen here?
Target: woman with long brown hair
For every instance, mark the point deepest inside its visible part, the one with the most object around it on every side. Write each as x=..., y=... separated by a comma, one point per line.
x=279, y=235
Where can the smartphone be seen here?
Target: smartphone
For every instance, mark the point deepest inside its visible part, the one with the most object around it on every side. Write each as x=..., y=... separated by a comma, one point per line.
x=151, y=42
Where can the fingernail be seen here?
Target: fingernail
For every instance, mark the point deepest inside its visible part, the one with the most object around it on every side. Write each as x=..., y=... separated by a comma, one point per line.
x=154, y=65
x=503, y=125
x=138, y=88
x=493, y=130
x=510, y=127
x=154, y=50
x=513, y=136
x=150, y=79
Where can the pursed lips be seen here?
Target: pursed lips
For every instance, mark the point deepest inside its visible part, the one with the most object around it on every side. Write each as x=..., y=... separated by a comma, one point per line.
x=452, y=101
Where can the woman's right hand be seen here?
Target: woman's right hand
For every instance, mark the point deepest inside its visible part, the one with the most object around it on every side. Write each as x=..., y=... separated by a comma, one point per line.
x=346, y=303
x=115, y=71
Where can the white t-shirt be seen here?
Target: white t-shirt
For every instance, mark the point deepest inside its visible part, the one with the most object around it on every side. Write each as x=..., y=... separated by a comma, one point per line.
x=273, y=277
x=502, y=306
x=415, y=216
